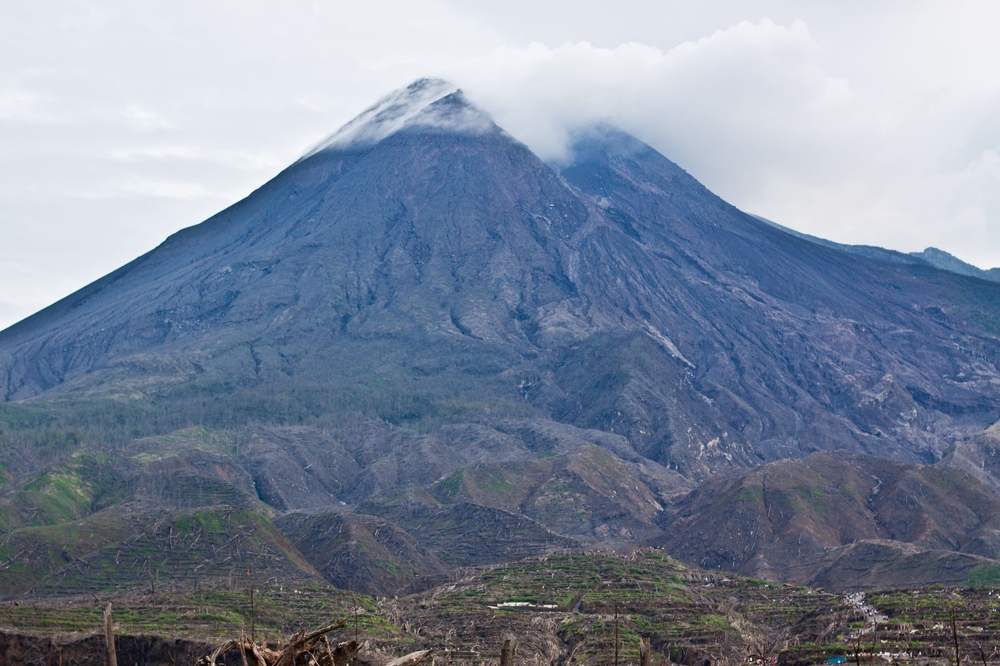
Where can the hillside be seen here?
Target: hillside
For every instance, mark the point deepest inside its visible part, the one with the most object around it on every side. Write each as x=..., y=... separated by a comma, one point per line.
x=561, y=609
x=843, y=521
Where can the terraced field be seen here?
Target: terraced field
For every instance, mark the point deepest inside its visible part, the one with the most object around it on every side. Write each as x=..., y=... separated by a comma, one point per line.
x=563, y=609
x=566, y=612
x=207, y=615
x=919, y=623
x=689, y=615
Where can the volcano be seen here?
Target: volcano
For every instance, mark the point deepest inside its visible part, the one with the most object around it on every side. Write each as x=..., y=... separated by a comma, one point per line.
x=420, y=307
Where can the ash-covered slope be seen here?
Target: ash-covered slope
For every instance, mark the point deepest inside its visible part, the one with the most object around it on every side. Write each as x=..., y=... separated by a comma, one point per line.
x=844, y=521
x=784, y=346
x=432, y=235
x=423, y=266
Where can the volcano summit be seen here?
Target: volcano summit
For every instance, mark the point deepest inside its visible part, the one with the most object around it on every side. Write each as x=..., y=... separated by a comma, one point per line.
x=420, y=323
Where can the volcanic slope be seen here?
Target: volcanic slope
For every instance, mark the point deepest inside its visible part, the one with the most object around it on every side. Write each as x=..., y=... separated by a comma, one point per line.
x=841, y=521
x=425, y=268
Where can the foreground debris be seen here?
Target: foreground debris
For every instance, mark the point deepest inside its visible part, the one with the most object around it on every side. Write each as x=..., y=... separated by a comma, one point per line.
x=559, y=607
x=303, y=648
x=309, y=649
x=412, y=659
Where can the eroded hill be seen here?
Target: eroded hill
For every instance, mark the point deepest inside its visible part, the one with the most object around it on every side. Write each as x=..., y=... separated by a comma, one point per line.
x=841, y=521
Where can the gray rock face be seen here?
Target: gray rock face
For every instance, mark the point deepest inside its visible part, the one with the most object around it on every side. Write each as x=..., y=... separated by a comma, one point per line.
x=436, y=270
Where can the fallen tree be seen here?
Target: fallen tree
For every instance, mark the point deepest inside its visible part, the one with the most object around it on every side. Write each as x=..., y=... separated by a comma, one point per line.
x=412, y=659
x=304, y=649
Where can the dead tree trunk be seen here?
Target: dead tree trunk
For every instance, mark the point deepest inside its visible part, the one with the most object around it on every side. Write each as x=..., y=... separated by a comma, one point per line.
x=300, y=645
x=644, y=659
x=109, y=637
x=508, y=651
x=344, y=653
x=616, y=633
x=982, y=653
x=954, y=635
x=412, y=659
x=303, y=642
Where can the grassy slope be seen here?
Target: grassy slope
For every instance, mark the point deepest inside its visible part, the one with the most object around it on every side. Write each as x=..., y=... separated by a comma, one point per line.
x=117, y=550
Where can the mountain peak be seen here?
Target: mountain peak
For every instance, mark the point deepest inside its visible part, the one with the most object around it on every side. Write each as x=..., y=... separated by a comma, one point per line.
x=425, y=103
x=458, y=269
x=603, y=159
x=949, y=262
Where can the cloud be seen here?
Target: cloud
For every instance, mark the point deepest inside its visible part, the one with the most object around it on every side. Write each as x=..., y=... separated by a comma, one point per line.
x=748, y=109
x=754, y=111
x=232, y=159
x=148, y=188
x=140, y=118
x=864, y=122
x=17, y=104
x=163, y=152
x=969, y=199
x=753, y=86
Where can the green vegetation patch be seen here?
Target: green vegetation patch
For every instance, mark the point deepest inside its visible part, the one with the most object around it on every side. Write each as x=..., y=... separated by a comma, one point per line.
x=987, y=575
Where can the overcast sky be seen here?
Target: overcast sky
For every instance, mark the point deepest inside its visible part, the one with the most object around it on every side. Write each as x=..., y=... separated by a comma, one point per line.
x=862, y=122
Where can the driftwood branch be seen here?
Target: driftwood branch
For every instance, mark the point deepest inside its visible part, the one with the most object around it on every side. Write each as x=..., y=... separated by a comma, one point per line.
x=412, y=659
x=301, y=643
x=313, y=644
x=219, y=651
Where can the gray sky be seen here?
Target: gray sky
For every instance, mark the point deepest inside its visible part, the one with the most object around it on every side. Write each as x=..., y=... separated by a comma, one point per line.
x=123, y=121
